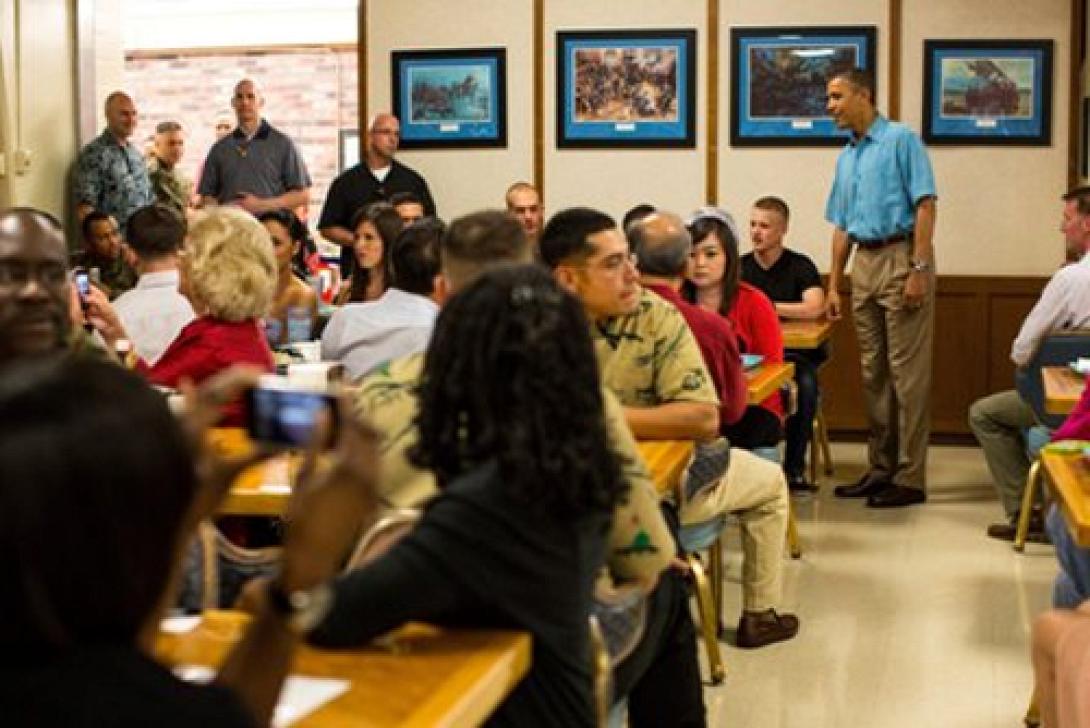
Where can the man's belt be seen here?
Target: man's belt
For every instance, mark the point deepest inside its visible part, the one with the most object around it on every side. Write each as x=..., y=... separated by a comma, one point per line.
x=880, y=242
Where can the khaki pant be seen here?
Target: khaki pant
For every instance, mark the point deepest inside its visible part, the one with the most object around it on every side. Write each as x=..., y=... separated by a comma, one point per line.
x=999, y=421
x=756, y=490
x=895, y=345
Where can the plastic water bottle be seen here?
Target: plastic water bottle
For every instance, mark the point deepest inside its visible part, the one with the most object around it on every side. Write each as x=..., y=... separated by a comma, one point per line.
x=272, y=331
x=299, y=324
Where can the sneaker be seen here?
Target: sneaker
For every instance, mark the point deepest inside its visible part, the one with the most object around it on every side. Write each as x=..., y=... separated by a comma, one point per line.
x=757, y=629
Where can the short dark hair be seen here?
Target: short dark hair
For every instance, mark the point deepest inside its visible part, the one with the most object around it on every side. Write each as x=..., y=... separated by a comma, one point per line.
x=478, y=241
x=565, y=235
x=86, y=543
x=155, y=231
x=860, y=78
x=165, y=127
x=92, y=217
x=1081, y=197
x=774, y=204
x=635, y=214
x=402, y=198
x=414, y=260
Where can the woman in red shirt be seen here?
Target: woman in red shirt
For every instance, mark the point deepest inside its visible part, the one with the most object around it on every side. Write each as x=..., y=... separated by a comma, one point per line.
x=714, y=283
x=228, y=272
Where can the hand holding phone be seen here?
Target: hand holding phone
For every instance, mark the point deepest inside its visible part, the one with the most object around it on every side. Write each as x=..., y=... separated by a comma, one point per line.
x=285, y=416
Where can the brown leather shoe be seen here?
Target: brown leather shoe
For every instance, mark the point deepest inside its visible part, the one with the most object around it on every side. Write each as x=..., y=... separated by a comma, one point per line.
x=869, y=484
x=896, y=496
x=757, y=629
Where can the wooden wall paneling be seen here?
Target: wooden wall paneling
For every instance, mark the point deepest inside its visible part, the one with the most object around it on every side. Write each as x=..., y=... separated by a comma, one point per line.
x=976, y=318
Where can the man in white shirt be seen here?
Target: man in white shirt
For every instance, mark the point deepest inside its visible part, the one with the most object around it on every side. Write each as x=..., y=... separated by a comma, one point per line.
x=364, y=335
x=154, y=312
x=999, y=420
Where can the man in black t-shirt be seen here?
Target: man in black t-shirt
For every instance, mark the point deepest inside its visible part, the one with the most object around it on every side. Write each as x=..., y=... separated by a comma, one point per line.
x=378, y=177
x=792, y=281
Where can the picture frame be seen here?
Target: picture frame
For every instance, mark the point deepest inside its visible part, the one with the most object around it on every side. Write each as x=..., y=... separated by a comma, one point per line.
x=988, y=92
x=778, y=81
x=626, y=88
x=450, y=98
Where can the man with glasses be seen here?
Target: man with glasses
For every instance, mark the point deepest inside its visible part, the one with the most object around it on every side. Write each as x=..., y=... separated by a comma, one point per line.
x=378, y=177
x=110, y=175
x=649, y=358
x=256, y=166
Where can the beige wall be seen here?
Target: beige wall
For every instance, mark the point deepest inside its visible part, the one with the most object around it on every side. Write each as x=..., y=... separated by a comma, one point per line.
x=999, y=208
x=42, y=119
x=461, y=180
x=801, y=176
x=615, y=180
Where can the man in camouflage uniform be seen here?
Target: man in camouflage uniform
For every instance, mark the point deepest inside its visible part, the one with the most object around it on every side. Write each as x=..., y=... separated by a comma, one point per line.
x=167, y=181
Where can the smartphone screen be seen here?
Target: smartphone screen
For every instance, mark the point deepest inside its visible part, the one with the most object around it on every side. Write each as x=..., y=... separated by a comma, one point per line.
x=286, y=417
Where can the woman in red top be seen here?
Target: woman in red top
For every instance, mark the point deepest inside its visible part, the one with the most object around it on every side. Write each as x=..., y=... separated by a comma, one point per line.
x=714, y=283
x=228, y=273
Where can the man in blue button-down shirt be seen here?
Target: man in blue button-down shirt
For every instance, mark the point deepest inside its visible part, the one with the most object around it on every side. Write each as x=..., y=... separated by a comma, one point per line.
x=883, y=203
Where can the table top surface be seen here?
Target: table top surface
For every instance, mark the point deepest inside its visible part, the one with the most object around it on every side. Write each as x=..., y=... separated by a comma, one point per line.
x=1069, y=475
x=1063, y=387
x=808, y=334
x=666, y=461
x=426, y=676
x=765, y=378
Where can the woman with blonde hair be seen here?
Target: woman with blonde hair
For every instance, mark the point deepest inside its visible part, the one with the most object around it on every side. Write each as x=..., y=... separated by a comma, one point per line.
x=228, y=273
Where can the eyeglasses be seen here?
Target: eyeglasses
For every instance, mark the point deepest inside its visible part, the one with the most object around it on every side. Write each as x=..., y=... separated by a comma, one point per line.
x=394, y=132
x=613, y=264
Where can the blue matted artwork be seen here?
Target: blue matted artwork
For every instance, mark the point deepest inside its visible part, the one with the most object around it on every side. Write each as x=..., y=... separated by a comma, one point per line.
x=626, y=88
x=988, y=92
x=779, y=77
x=451, y=97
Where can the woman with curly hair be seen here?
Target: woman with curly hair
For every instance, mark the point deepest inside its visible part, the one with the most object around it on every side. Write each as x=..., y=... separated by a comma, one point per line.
x=376, y=226
x=528, y=482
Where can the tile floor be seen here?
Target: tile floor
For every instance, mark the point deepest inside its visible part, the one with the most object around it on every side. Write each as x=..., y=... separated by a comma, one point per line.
x=910, y=617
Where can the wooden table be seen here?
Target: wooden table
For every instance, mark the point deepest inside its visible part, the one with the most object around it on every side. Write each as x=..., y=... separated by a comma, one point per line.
x=429, y=677
x=764, y=379
x=1069, y=476
x=258, y=490
x=1063, y=387
x=666, y=461
x=808, y=334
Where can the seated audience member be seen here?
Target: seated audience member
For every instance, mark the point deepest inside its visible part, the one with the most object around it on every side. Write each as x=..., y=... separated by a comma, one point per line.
x=791, y=280
x=715, y=284
x=527, y=486
x=228, y=273
x=376, y=227
x=104, y=251
x=287, y=235
x=660, y=678
x=1061, y=667
x=408, y=206
x=1000, y=420
x=635, y=214
x=524, y=202
x=83, y=444
x=363, y=335
x=668, y=394
x=154, y=312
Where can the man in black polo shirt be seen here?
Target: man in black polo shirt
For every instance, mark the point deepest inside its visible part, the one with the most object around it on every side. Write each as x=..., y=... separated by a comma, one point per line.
x=256, y=166
x=792, y=281
x=377, y=177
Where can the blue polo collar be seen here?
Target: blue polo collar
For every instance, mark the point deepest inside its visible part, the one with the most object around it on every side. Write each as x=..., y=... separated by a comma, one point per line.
x=873, y=132
x=262, y=131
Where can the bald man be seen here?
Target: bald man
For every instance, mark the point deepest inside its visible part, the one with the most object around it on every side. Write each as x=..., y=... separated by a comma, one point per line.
x=255, y=167
x=110, y=175
x=378, y=177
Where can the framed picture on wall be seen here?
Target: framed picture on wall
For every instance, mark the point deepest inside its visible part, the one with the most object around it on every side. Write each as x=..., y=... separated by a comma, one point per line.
x=988, y=92
x=451, y=98
x=626, y=88
x=778, y=77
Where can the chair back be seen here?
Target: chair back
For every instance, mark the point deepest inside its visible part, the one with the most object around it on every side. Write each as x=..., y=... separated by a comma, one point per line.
x=1058, y=348
x=378, y=539
x=603, y=676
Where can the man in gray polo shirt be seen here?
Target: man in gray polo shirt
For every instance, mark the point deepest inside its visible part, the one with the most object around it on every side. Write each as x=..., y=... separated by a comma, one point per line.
x=255, y=167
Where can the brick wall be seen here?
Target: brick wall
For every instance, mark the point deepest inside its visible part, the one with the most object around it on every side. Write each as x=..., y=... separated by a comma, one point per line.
x=310, y=95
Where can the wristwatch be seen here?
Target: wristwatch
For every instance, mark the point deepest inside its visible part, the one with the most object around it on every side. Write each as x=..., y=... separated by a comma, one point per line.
x=304, y=609
x=920, y=266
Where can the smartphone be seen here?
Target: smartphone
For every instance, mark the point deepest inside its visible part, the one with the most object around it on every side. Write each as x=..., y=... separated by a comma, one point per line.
x=83, y=285
x=282, y=415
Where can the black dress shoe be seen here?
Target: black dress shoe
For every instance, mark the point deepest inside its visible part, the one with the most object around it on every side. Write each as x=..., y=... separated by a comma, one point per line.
x=897, y=496
x=869, y=484
x=799, y=484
